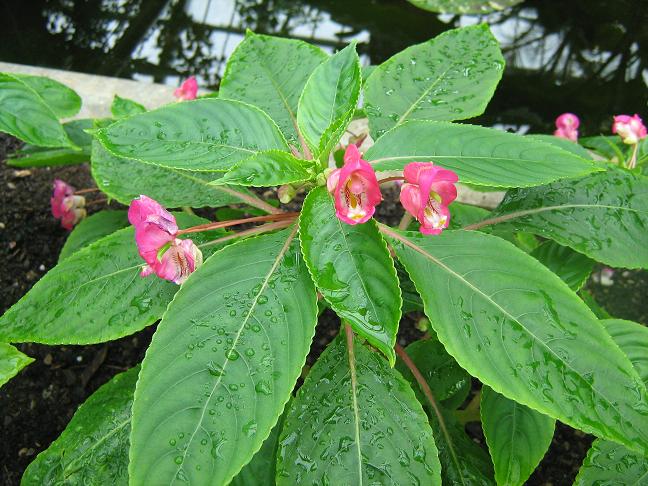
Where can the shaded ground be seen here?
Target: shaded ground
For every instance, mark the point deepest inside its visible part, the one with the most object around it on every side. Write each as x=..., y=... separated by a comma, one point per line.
x=37, y=405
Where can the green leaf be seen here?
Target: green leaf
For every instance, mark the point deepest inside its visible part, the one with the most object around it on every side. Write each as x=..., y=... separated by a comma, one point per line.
x=608, y=462
x=93, y=448
x=517, y=436
x=572, y=267
x=516, y=326
x=481, y=156
x=92, y=296
x=93, y=228
x=123, y=107
x=260, y=471
x=202, y=135
x=125, y=179
x=609, y=146
x=449, y=383
x=594, y=306
x=271, y=168
x=464, y=6
x=26, y=116
x=604, y=216
x=356, y=421
x=329, y=99
x=222, y=363
x=411, y=299
x=50, y=158
x=270, y=72
x=564, y=144
x=352, y=269
x=63, y=101
x=450, y=77
x=11, y=362
x=34, y=156
x=632, y=338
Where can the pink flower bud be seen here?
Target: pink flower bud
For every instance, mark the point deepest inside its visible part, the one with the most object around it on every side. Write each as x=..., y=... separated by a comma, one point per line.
x=168, y=257
x=188, y=90
x=426, y=194
x=567, y=126
x=67, y=207
x=630, y=128
x=354, y=188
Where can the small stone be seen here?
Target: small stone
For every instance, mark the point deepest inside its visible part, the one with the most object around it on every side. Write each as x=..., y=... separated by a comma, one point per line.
x=12, y=245
x=11, y=185
x=41, y=267
x=48, y=359
x=22, y=173
x=31, y=275
x=2, y=226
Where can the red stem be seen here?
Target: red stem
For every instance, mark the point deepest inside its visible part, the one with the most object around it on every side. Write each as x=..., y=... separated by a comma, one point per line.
x=393, y=178
x=249, y=232
x=85, y=191
x=234, y=222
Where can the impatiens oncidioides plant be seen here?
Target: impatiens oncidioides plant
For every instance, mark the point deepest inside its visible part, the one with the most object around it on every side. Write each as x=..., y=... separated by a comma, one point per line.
x=510, y=340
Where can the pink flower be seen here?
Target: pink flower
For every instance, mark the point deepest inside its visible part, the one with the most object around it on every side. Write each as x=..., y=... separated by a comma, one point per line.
x=67, y=207
x=426, y=194
x=168, y=257
x=567, y=126
x=187, y=90
x=630, y=128
x=354, y=188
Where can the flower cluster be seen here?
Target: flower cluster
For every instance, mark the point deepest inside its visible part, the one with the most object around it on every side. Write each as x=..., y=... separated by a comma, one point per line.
x=630, y=128
x=426, y=193
x=168, y=257
x=67, y=206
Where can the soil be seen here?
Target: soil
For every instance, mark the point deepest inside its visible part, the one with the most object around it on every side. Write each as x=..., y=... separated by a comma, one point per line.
x=38, y=403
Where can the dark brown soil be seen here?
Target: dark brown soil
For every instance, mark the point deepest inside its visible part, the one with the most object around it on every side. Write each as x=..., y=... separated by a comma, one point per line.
x=37, y=405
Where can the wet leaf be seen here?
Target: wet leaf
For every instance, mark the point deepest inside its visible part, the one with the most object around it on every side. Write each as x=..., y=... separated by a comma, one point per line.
x=11, y=362
x=632, y=338
x=260, y=471
x=608, y=146
x=608, y=463
x=464, y=6
x=94, y=295
x=123, y=107
x=209, y=134
x=63, y=101
x=270, y=72
x=93, y=448
x=125, y=179
x=93, y=228
x=464, y=214
x=572, y=267
x=25, y=115
x=329, y=99
x=517, y=436
x=271, y=168
x=449, y=383
x=480, y=156
x=603, y=215
x=222, y=363
x=353, y=270
x=356, y=421
x=450, y=77
x=517, y=327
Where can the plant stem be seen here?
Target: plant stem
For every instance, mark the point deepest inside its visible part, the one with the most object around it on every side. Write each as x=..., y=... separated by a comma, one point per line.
x=388, y=179
x=405, y=221
x=96, y=201
x=632, y=161
x=85, y=191
x=234, y=222
x=425, y=388
x=252, y=200
x=249, y=232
